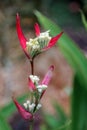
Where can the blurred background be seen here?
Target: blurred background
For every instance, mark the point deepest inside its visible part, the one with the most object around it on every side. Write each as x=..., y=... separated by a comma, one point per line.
x=15, y=67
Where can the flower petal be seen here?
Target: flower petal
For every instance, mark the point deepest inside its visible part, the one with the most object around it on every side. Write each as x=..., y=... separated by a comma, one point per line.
x=48, y=76
x=26, y=115
x=53, y=41
x=21, y=36
x=37, y=29
x=31, y=85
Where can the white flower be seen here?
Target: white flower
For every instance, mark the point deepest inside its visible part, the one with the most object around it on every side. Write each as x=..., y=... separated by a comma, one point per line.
x=43, y=86
x=39, y=42
x=40, y=88
x=28, y=102
x=39, y=106
x=35, y=79
x=33, y=44
x=31, y=107
x=25, y=105
x=45, y=35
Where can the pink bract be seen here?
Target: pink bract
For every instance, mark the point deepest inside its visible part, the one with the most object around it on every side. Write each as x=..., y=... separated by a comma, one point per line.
x=25, y=114
x=48, y=76
x=31, y=85
x=37, y=29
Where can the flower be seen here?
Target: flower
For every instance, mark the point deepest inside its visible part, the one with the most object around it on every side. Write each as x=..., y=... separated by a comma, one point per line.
x=34, y=84
x=40, y=43
x=30, y=106
x=23, y=112
x=28, y=109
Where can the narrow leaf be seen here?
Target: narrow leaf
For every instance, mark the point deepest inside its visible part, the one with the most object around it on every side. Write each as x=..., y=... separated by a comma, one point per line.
x=3, y=124
x=79, y=106
x=83, y=19
x=69, y=49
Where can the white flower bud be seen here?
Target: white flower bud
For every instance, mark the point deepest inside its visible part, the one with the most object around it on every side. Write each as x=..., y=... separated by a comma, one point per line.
x=44, y=86
x=41, y=87
x=28, y=102
x=35, y=79
x=25, y=105
x=33, y=44
x=39, y=106
x=44, y=37
x=31, y=107
x=40, y=90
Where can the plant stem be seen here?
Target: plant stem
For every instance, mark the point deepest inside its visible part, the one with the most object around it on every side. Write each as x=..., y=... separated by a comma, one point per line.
x=32, y=66
x=31, y=126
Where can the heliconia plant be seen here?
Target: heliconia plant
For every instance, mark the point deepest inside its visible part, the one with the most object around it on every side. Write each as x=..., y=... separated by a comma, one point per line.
x=29, y=108
x=33, y=47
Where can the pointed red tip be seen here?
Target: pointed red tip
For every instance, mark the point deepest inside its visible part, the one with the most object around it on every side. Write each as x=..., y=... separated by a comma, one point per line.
x=17, y=15
x=52, y=67
x=48, y=76
x=53, y=41
x=21, y=36
x=26, y=115
x=37, y=29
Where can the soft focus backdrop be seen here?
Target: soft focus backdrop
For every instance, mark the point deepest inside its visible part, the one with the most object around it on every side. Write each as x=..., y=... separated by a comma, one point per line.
x=14, y=66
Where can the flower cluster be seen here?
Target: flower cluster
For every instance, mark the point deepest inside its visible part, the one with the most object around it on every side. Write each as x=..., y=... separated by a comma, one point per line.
x=33, y=47
x=37, y=90
x=40, y=43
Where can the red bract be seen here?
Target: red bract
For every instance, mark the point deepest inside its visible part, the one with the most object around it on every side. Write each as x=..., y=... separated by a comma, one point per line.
x=21, y=36
x=45, y=81
x=37, y=29
x=24, y=113
x=48, y=76
x=53, y=41
x=23, y=40
x=31, y=85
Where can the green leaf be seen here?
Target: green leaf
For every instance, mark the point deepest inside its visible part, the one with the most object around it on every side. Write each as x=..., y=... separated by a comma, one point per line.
x=83, y=19
x=68, y=48
x=79, y=106
x=78, y=62
x=58, y=121
x=60, y=113
x=3, y=124
x=51, y=121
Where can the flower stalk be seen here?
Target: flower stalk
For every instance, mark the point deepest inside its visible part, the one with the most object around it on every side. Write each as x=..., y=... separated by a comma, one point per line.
x=32, y=66
x=33, y=47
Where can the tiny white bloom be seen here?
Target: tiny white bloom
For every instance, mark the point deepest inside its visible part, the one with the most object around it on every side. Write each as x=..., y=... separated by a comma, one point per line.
x=28, y=102
x=39, y=87
x=31, y=107
x=44, y=36
x=40, y=90
x=25, y=105
x=43, y=86
x=39, y=106
x=34, y=78
x=33, y=44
